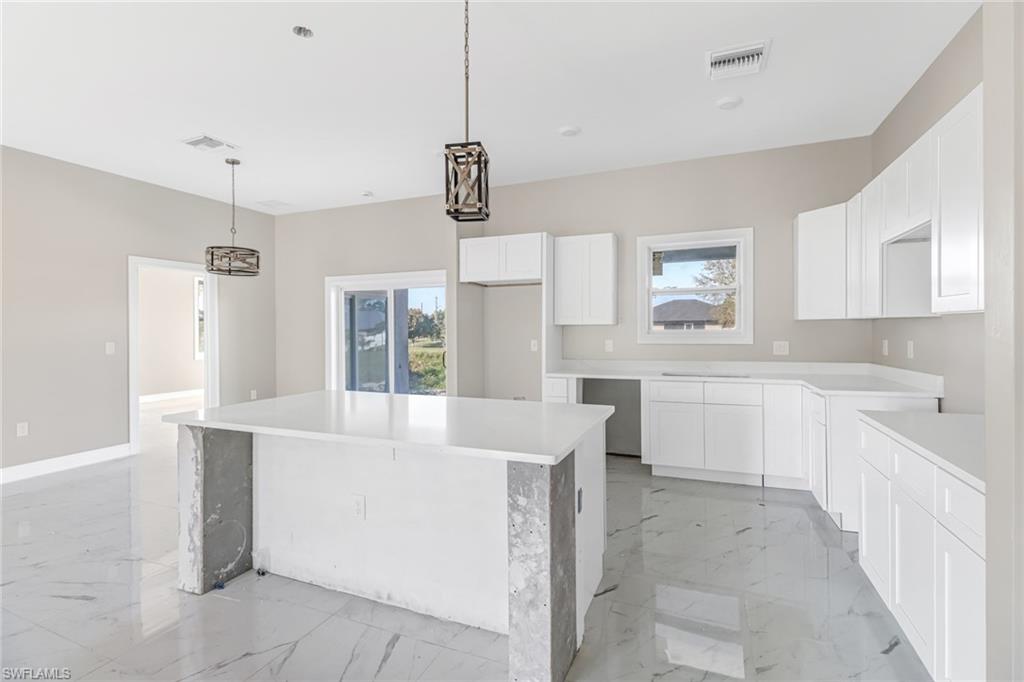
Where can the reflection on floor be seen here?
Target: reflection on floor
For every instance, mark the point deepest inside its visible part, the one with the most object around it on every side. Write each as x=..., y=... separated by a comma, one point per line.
x=703, y=581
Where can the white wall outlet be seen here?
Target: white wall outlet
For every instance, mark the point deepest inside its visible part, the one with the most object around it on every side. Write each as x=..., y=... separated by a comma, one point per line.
x=910, y=350
x=22, y=429
x=110, y=348
x=609, y=346
x=885, y=347
x=252, y=394
x=780, y=348
x=359, y=506
x=534, y=346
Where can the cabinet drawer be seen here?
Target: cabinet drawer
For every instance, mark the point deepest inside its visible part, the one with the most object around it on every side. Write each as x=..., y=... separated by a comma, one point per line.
x=961, y=509
x=677, y=391
x=914, y=475
x=874, y=448
x=732, y=394
x=556, y=387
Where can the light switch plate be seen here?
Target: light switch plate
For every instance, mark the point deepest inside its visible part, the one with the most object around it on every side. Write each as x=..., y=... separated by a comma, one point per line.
x=910, y=350
x=359, y=506
x=780, y=348
x=534, y=345
x=885, y=347
x=252, y=394
x=110, y=348
x=609, y=346
x=22, y=429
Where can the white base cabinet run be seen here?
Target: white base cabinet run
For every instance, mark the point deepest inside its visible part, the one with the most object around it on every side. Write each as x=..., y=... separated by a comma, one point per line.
x=918, y=525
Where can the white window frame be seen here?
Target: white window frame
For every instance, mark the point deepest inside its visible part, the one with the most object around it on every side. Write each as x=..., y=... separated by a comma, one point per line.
x=197, y=281
x=743, y=239
x=334, y=318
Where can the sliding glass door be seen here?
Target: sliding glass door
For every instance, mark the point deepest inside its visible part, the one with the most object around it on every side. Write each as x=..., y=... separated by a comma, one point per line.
x=387, y=333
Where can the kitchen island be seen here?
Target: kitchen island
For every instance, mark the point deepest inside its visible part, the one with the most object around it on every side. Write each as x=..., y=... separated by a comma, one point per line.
x=485, y=512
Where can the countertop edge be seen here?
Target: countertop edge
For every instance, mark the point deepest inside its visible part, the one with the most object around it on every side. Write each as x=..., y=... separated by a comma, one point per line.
x=937, y=460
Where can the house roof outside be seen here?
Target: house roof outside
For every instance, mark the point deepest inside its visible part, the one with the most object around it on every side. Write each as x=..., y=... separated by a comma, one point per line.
x=684, y=310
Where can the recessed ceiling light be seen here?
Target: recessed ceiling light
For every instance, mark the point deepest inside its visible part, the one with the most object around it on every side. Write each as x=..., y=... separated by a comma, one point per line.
x=730, y=102
x=368, y=194
x=302, y=31
x=569, y=131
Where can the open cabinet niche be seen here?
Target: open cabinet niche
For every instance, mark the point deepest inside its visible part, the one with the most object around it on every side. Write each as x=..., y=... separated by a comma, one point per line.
x=907, y=274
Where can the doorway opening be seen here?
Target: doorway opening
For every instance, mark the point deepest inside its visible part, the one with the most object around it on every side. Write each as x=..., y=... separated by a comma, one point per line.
x=386, y=333
x=173, y=359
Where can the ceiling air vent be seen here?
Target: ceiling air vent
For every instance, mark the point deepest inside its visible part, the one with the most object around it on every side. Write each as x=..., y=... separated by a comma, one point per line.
x=738, y=61
x=205, y=143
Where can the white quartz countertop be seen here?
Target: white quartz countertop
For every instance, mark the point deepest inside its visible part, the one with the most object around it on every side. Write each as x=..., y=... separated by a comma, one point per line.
x=954, y=442
x=839, y=379
x=524, y=431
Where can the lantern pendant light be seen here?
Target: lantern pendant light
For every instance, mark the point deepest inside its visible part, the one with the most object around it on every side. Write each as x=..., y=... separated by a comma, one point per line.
x=466, y=193
x=236, y=261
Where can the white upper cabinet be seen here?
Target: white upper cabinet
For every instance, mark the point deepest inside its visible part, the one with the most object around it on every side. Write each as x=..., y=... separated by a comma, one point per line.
x=820, y=241
x=854, y=257
x=871, y=250
x=907, y=189
x=957, y=234
x=509, y=259
x=586, y=280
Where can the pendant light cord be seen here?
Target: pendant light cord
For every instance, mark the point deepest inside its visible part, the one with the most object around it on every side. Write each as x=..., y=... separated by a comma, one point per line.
x=233, y=204
x=466, y=63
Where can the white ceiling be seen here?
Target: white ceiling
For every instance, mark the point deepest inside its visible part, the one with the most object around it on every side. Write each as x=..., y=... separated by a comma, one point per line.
x=372, y=98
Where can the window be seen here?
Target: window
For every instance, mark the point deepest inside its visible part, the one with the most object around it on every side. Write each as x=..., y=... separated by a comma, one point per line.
x=198, y=318
x=696, y=287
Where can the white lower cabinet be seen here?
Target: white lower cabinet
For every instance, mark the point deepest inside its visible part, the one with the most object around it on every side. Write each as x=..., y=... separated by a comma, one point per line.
x=733, y=438
x=677, y=434
x=875, y=524
x=783, y=429
x=815, y=423
x=913, y=574
x=959, y=609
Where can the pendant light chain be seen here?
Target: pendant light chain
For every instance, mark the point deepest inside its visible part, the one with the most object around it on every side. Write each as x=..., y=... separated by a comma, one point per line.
x=233, y=231
x=467, y=68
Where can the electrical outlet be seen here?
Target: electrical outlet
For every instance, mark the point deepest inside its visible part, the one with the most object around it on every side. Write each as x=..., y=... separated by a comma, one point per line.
x=359, y=506
x=534, y=346
x=609, y=346
x=22, y=429
x=110, y=348
x=252, y=394
x=885, y=347
x=780, y=348
x=910, y=350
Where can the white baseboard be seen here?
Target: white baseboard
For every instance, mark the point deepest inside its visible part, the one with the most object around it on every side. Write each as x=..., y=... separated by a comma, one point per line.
x=156, y=397
x=19, y=472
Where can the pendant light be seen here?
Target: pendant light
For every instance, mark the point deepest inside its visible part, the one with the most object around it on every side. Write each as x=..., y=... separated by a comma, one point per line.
x=466, y=193
x=236, y=261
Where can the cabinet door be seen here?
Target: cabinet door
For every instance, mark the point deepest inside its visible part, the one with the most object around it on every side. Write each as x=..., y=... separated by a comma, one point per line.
x=959, y=610
x=521, y=257
x=957, y=254
x=821, y=264
x=677, y=434
x=894, y=199
x=570, y=254
x=734, y=438
x=854, y=258
x=913, y=573
x=920, y=163
x=479, y=260
x=871, y=249
x=874, y=538
x=783, y=431
x=599, y=280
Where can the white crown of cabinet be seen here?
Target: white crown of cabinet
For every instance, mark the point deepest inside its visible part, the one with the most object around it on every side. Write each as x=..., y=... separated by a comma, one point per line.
x=586, y=280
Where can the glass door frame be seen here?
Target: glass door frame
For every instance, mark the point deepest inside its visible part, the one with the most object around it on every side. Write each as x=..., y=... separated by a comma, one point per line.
x=335, y=289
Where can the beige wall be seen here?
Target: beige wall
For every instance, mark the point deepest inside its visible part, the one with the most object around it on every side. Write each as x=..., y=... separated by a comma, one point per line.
x=511, y=320
x=764, y=190
x=394, y=236
x=1004, y=343
x=167, y=361
x=67, y=235
x=951, y=345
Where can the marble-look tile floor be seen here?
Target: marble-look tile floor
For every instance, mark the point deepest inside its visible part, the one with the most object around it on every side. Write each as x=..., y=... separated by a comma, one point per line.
x=703, y=581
